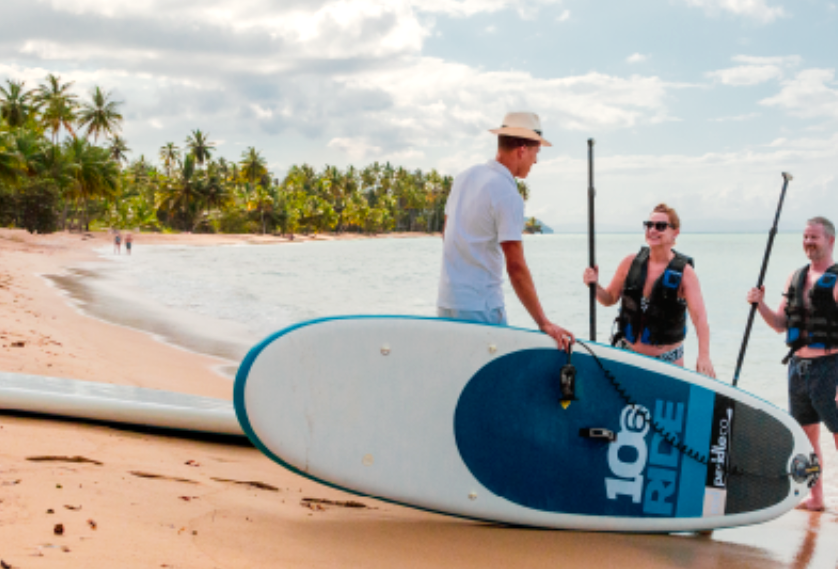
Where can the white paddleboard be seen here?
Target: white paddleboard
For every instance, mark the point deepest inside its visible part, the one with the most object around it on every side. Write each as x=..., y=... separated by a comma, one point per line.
x=116, y=403
x=465, y=419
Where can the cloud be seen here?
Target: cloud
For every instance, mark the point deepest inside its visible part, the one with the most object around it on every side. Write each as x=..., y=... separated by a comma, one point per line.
x=811, y=93
x=780, y=61
x=755, y=71
x=357, y=149
x=746, y=74
x=304, y=16
x=737, y=118
x=309, y=81
x=436, y=99
x=711, y=190
x=526, y=9
x=564, y=16
x=757, y=10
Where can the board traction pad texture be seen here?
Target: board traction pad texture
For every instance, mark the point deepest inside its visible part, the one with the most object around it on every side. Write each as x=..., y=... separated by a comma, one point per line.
x=760, y=444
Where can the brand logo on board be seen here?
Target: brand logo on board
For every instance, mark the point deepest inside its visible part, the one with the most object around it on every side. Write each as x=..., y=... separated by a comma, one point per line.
x=720, y=443
x=646, y=473
x=719, y=451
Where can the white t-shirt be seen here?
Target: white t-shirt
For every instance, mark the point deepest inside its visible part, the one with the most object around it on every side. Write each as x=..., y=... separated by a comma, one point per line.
x=484, y=210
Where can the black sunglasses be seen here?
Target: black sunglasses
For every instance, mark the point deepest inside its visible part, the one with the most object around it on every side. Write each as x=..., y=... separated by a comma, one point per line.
x=659, y=225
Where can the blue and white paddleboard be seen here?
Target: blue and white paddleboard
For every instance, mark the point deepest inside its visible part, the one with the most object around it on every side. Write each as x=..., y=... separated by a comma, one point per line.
x=123, y=404
x=466, y=419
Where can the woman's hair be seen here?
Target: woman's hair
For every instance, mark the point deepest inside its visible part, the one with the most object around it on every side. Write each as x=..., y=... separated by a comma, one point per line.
x=674, y=220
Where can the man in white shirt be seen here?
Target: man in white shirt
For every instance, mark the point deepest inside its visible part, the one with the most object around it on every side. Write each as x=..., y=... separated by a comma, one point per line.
x=484, y=221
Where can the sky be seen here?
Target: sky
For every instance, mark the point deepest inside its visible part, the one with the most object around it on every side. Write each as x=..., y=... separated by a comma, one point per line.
x=700, y=104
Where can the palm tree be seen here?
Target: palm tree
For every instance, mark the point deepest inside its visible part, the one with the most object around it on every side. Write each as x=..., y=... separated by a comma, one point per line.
x=262, y=200
x=16, y=104
x=101, y=115
x=119, y=150
x=30, y=149
x=144, y=214
x=200, y=146
x=223, y=169
x=170, y=155
x=523, y=189
x=141, y=172
x=253, y=165
x=59, y=106
x=235, y=175
x=96, y=174
x=185, y=195
x=336, y=185
x=59, y=170
x=433, y=193
x=216, y=192
x=532, y=225
x=11, y=165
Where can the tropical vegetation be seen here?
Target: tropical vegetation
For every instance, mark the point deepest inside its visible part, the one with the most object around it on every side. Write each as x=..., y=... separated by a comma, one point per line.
x=65, y=165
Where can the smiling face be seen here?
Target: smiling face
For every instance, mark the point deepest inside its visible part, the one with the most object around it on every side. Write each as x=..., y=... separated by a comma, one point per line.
x=656, y=237
x=817, y=244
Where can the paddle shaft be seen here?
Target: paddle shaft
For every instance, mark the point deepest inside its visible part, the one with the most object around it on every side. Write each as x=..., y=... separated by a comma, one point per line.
x=591, y=242
x=771, y=234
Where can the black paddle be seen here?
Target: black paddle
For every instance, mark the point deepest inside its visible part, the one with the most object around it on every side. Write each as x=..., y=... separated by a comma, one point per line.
x=591, y=244
x=786, y=178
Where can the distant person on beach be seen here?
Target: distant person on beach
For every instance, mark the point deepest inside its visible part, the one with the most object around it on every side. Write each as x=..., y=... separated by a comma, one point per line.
x=117, y=243
x=128, y=241
x=656, y=288
x=808, y=313
x=484, y=221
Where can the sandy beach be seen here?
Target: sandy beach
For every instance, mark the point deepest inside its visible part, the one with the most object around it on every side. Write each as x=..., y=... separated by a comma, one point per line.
x=127, y=498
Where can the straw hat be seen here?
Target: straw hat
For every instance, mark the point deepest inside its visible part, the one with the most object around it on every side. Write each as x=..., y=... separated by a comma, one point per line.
x=522, y=125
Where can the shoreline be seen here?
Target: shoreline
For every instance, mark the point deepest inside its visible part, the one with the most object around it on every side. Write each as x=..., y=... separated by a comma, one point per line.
x=100, y=303
x=201, y=511
x=89, y=286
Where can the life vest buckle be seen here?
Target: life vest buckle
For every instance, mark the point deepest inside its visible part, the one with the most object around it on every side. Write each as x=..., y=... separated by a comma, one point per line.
x=672, y=279
x=827, y=280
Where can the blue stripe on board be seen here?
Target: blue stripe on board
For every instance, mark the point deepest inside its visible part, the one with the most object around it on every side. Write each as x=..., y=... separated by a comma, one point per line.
x=697, y=436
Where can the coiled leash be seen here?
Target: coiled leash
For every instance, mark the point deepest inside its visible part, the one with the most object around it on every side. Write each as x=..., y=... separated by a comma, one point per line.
x=802, y=469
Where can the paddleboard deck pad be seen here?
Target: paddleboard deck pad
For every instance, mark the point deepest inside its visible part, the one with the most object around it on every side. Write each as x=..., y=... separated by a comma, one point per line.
x=124, y=404
x=466, y=419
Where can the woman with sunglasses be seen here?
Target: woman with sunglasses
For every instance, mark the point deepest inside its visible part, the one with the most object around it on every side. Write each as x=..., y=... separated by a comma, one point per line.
x=656, y=288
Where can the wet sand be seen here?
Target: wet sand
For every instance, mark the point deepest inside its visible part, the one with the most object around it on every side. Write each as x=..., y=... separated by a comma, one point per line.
x=158, y=500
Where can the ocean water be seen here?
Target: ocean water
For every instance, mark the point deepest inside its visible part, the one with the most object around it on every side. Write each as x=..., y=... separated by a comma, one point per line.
x=245, y=292
x=223, y=299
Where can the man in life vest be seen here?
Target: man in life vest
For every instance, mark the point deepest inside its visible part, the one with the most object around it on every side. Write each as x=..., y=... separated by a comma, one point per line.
x=656, y=287
x=808, y=314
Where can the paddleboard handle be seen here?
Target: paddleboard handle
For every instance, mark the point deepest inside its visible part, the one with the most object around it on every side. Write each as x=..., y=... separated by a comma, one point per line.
x=806, y=469
x=598, y=433
x=567, y=381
